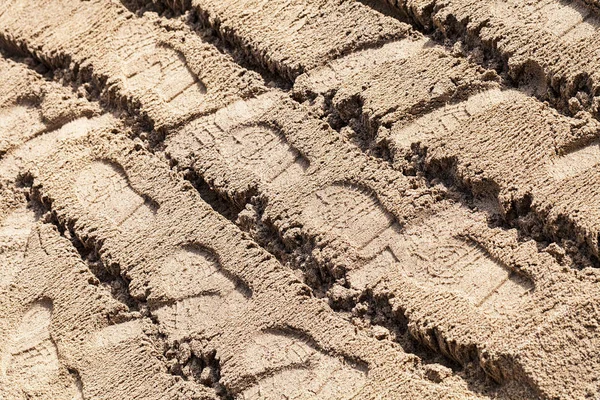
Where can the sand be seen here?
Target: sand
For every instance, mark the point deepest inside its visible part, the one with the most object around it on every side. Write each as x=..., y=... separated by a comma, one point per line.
x=293, y=199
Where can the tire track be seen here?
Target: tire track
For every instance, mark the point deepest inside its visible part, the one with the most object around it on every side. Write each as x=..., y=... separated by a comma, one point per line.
x=110, y=178
x=363, y=243
x=241, y=278
x=54, y=310
x=133, y=64
x=289, y=38
x=549, y=45
x=399, y=89
x=288, y=133
x=430, y=139
x=455, y=91
x=65, y=326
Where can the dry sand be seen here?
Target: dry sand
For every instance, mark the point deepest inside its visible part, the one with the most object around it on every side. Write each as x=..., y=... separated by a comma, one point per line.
x=294, y=199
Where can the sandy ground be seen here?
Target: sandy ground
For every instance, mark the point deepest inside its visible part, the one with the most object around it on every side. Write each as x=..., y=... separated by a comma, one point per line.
x=296, y=199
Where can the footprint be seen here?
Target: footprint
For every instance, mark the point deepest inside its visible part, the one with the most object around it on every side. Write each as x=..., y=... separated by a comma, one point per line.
x=430, y=251
x=17, y=125
x=204, y=300
x=446, y=120
x=151, y=68
x=14, y=232
x=263, y=151
x=104, y=189
x=203, y=295
x=290, y=368
x=353, y=214
x=30, y=361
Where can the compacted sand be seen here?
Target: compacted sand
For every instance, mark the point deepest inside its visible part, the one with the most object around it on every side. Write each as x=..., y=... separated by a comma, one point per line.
x=299, y=199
